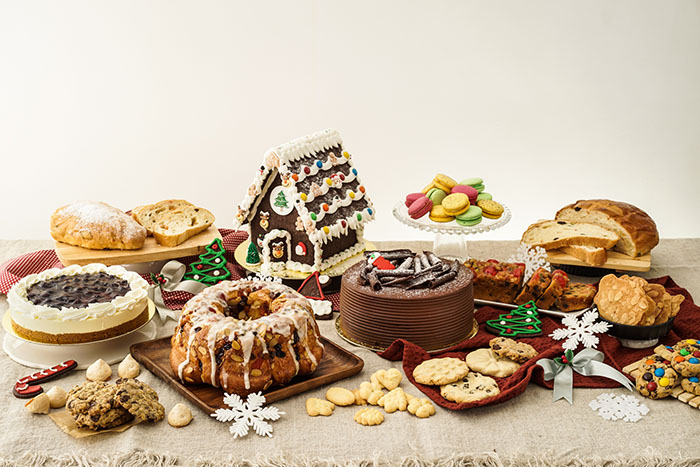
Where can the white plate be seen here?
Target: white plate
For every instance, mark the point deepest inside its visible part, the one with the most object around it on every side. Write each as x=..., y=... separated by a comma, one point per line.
x=510, y=306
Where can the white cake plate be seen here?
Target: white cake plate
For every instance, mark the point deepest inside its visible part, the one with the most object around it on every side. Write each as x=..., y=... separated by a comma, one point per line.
x=450, y=238
x=42, y=355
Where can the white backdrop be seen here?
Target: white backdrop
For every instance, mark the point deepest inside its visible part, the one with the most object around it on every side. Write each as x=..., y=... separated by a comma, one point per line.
x=131, y=102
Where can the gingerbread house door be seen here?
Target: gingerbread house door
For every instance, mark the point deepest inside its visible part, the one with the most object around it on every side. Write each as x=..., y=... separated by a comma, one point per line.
x=277, y=249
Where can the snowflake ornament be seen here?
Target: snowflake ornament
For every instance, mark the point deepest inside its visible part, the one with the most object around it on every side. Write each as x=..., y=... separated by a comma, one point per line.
x=622, y=407
x=247, y=414
x=264, y=278
x=583, y=331
x=533, y=258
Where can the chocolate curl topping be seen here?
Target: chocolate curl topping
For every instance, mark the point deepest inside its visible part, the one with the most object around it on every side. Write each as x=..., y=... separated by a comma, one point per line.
x=420, y=280
x=392, y=254
x=417, y=267
x=407, y=264
x=396, y=282
x=446, y=277
x=432, y=257
x=393, y=272
x=424, y=261
x=374, y=281
x=454, y=267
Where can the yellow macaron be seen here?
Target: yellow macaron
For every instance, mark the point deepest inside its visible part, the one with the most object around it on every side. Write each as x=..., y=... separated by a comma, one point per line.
x=438, y=214
x=490, y=208
x=455, y=204
x=428, y=187
x=444, y=182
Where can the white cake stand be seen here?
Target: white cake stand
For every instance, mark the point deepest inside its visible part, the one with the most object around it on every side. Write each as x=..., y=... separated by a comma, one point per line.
x=41, y=355
x=450, y=239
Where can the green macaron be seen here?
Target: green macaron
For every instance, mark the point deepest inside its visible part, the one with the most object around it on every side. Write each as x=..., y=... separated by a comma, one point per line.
x=471, y=216
x=436, y=195
x=484, y=196
x=474, y=182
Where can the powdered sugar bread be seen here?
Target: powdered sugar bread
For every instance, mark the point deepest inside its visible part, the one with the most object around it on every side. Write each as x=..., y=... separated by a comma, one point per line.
x=97, y=226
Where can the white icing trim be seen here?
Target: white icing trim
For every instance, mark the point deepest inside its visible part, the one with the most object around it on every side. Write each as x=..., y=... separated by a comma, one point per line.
x=269, y=265
x=322, y=265
x=136, y=297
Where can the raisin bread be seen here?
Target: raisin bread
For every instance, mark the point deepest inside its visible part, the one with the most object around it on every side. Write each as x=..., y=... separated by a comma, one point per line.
x=557, y=233
x=171, y=222
x=636, y=229
x=591, y=255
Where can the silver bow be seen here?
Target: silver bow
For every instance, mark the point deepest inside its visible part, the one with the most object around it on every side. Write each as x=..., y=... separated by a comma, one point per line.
x=172, y=272
x=588, y=362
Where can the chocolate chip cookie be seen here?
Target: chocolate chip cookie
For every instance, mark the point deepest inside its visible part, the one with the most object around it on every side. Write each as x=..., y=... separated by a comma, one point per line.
x=93, y=406
x=472, y=387
x=508, y=348
x=139, y=399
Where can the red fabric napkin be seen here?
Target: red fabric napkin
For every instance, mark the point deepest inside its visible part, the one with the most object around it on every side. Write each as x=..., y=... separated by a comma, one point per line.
x=12, y=271
x=685, y=326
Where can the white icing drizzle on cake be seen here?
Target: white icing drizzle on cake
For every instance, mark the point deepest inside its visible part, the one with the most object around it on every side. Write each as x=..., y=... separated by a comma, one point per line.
x=201, y=312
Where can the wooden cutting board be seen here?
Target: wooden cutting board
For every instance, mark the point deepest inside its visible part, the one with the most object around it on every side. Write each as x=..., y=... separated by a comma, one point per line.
x=151, y=251
x=337, y=364
x=616, y=261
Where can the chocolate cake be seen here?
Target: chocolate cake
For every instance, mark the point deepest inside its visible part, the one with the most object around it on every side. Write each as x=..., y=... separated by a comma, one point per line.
x=400, y=295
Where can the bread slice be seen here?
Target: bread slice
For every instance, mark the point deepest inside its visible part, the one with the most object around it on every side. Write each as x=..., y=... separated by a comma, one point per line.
x=591, y=255
x=556, y=234
x=172, y=222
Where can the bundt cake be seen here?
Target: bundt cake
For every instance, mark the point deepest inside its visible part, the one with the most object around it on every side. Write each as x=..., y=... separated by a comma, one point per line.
x=245, y=336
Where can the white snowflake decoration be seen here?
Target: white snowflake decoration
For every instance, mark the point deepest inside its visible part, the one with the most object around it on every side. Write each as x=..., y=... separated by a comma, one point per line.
x=264, y=278
x=247, y=414
x=583, y=331
x=533, y=257
x=622, y=407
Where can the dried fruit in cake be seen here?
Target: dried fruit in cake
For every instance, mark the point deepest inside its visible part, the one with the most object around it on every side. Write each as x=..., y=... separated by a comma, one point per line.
x=494, y=281
x=97, y=226
x=576, y=297
x=535, y=287
x=559, y=282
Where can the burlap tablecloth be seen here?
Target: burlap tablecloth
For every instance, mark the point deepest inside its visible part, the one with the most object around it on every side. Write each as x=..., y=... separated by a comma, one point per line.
x=528, y=430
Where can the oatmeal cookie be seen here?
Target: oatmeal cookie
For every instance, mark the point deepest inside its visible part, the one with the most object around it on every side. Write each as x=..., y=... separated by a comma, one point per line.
x=92, y=405
x=139, y=399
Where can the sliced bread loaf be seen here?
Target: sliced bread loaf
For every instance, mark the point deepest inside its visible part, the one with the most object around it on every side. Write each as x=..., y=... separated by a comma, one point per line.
x=556, y=234
x=637, y=230
x=592, y=255
x=172, y=222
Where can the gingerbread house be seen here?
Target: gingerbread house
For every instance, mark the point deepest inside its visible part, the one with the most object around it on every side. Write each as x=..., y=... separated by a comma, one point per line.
x=306, y=207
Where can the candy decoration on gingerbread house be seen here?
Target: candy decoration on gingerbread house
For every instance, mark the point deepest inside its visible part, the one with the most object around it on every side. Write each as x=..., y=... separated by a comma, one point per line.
x=306, y=207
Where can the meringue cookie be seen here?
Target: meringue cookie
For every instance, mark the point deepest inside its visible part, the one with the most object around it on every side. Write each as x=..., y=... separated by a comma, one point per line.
x=180, y=415
x=57, y=397
x=129, y=368
x=99, y=371
x=39, y=404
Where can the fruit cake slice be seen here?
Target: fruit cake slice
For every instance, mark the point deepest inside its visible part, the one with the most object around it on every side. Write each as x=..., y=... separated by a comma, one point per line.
x=494, y=281
x=576, y=297
x=535, y=287
x=559, y=282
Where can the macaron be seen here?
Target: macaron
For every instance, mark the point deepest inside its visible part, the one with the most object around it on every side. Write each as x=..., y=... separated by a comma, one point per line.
x=438, y=214
x=411, y=197
x=455, y=204
x=436, y=195
x=475, y=182
x=490, y=208
x=444, y=182
x=428, y=187
x=484, y=195
x=420, y=207
x=471, y=216
x=467, y=190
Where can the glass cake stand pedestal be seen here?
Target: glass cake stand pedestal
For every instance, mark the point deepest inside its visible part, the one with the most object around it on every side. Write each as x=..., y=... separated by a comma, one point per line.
x=450, y=239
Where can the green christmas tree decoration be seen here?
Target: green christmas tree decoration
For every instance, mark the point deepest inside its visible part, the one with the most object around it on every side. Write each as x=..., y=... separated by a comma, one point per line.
x=281, y=200
x=253, y=257
x=211, y=267
x=524, y=321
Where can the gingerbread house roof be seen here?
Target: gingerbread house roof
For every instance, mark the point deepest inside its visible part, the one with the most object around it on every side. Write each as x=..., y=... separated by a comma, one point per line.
x=321, y=181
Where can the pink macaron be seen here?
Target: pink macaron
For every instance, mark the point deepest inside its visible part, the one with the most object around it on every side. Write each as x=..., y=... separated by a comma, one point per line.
x=420, y=207
x=467, y=190
x=410, y=198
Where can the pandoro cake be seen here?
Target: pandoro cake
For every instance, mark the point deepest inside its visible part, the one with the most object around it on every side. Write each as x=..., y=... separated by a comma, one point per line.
x=401, y=295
